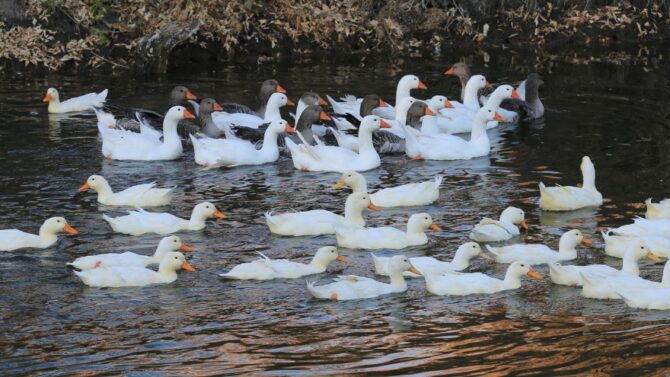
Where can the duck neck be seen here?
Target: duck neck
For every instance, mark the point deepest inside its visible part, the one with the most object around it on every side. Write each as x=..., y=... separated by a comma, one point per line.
x=271, y=112
x=365, y=146
x=478, y=129
x=460, y=261
x=197, y=221
x=512, y=280
x=359, y=186
x=398, y=280
x=167, y=272
x=567, y=248
x=54, y=104
x=318, y=265
x=170, y=135
x=416, y=234
x=300, y=108
x=353, y=214
x=104, y=191
x=470, y=95
x=665, y=281
x=464, y=82
x=159, y=253
x=47, y=235
x=589, y=177
x=630, y=266
x=494, y=101
x=270, y=149
x=401, y=92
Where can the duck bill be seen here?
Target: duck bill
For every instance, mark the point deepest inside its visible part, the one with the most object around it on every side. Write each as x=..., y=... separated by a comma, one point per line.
x=74, y=231
x=384, y=124
x=534, y=274
x=339, y=184
x=47, y=98
x=187, y=114
x=587, y=242
x=413, y=270
x=373, y=207
x=84, y=187
x=186, y=248
x=524, y=225
x=435, y=227
x=654, y=257
x=383, y=103
x=190, y=95
x=516, y=95
x=217, y=107
x=187, y=266
x=218, y=214
x=448, y=105
x=488, y=85
x=450, y=71
x=280, y=89
x=290, y=102
x=499, y=118
x=288, y=129
x=322, y=102
x=422, y=86
x=342, y=259
x=324, y=116
x=428, y=111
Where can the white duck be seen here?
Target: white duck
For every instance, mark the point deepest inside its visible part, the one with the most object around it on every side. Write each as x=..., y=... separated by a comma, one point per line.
x=489, y=230
x=387, y=237
x=352, y=287
x=461, y=284
x=272, y=113
x=331, y=158
x=540, y=254
x=146, y=195
x=572, y=275
x=660, y=210
x=615, y=246
x=140, y=222
x=657, y=298
x=461, y=120
x=81, y=103
x=410, y=194
x=643, y=227
x=568, y=198
x=268, y=269
x=236, y=152
x=130, y=259
x=319, y=221
x=12, y=239
x=430, y=265
x=449, y=147
x=124, y=276
x=120, y=144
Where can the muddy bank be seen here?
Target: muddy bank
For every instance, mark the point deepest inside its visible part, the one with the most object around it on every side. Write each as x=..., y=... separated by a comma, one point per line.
x=149, y=37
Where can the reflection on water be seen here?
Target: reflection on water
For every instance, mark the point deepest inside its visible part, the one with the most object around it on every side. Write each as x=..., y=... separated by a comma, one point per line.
x=53, y=325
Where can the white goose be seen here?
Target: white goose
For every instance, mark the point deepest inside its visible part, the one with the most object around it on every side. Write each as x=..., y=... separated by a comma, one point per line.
x=123, y=276
x=352, y=287
x=12, y=239
x=540, y=254
x=430, y=124
x=568, y=198
x=489, y=230
x=470, y=96
x=211, y=152
x=268, y=269
x=660, y=210
x=411, y=194
x=643, y=227
x=338, y=159
x=317, y=222
x=130, y=259
x=140, y=222
x=81, y=103
x=461, y=284
x=615, y=246
x=120, y=144
x=460, y=120
x=387, y=237
x=449, y=147
x=272, y=113
x=430, y=265
x=146, y=195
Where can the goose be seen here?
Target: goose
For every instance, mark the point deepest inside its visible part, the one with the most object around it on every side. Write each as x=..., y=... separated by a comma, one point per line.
x=643, y=227
x=317, y=222
x=352, y=287
x=462, y=72
x=430, y=265
x=268, y=87
x=208, y=107
x=461, y=120
x=489, y=230
x=660, y=210
x=268, y=269
x=272, y=113
x=540, y=254
x=12, y=239
x=615, y=246
x=130, y=259
x=529, y=92
x=127, y=145
x=145, y=195
x=140, y=222
x=346, y=119
x=308, y=99
x=387, y=237
x=338, y=159
x=135, y=276
x=568, y=198
x=430, y=124
x=236, y=152
x=411, y=194
x=419, y=146
x=306, y=123
x=461, y=284
x=470, y=95
x=572, y=275
x=81, y=103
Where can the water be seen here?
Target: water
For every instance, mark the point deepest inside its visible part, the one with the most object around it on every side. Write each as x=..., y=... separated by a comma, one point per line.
x=54, y=325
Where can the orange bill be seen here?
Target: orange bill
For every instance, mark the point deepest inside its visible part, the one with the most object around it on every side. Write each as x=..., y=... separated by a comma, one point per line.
x=322, y=102
x=279, y=89
x=187, y=114
x=587, y=242
x=450, y=71
x=186, y=248
x=382, y=103
x=524, y=224
x=435, y=227
x=84, y=187
x=413, y=270
x=448, y=104
x=339, y=184
x=47, y=98
x=218, y=214
x=428, y=111
x=499, y=118
x=70, y=229
x=324, y=116
x=217, y=107
x=373, y=207
x=290, y=102
x=488, y=85
x=534, y=274
x=342, y=259
x=384, y=124
x=422, y=86
x=190, y=95
x=515, y=94
x=654, y=257
x=187, y=266
x=288, y=129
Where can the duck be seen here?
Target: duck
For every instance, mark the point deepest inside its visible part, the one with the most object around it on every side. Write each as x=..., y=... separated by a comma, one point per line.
x=407, y=195
x=75, y=104
x=318, y=222
x=13, y=239
x=541, y=254
x=462, y=120
x=489, y=230
x=387, y=237
x=140, y=221
x=572, y=275
x=130, y=259
x=145, y=195
x=569, y=198
x=656, y=211
x=615, y=245
x=419, y=146
x=643, y=227
x=237, y=152
x=352, y=287
x=136, y=276
x=338, y=159
x=462, y=284
x=272, y=113
x=268, y=269
x=652, y=296
x=430, y=265
x=267, y=88
x=127, y=145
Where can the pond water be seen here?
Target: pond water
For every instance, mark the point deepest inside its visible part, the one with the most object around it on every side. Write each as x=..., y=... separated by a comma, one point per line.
x=201, y=325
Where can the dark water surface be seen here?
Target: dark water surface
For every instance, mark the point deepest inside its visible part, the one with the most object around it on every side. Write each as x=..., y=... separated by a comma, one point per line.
x=201, y=325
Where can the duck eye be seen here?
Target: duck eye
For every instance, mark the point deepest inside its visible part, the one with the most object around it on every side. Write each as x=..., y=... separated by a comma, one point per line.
x=58, y=221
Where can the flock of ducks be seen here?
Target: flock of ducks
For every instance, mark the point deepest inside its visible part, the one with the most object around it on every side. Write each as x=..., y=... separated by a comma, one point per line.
x=348, y=140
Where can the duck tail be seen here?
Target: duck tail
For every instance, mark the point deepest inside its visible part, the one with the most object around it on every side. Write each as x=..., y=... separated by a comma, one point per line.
x=438, y=180
x=312, y=289
x=379, y=265
x=493, y=250
x=102, y=96
x=110, y=220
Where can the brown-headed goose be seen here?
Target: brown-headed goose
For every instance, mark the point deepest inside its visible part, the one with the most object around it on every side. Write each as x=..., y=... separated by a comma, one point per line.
x=529, y=92
x=267, y=88
x=462, y=71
